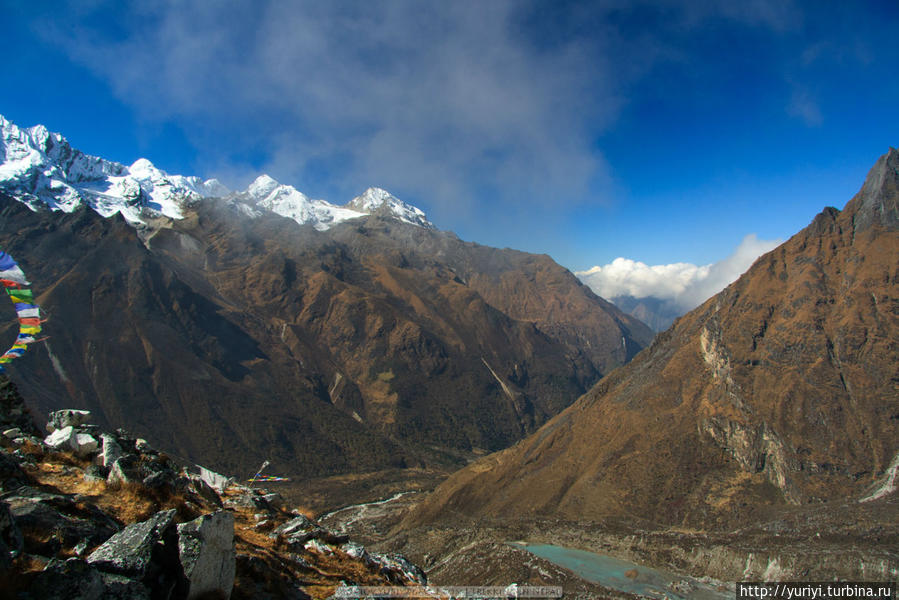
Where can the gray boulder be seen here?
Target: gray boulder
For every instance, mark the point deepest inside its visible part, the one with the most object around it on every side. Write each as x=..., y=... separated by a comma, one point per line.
x=60, y=438
x=69, y=438
x=124, y=470
x=59, y=515
x=195, y=485
x=69, y=417
x=12, y=433
x=110, y=451
x=215, y=480
x=72, y=579
x=206, y=550
x=84, y=444
x=130, y=551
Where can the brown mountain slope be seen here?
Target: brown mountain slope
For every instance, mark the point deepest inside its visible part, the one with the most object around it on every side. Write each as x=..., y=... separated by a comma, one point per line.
x=376, y=344
x=782, y=389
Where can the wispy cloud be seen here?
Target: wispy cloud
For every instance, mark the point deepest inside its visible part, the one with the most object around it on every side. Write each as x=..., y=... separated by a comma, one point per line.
x=805, y=107
x=451, y=103
x=443, y=99
x=684, y=285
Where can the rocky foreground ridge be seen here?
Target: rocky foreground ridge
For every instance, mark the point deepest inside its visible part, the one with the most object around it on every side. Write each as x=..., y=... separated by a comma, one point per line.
x=87, y=514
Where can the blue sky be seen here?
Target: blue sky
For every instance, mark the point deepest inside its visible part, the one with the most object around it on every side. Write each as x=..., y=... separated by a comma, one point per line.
x=663, y=131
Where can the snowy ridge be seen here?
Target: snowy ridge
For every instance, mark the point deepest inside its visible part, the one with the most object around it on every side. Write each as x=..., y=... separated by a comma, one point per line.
x=41, y=169
x=287, y=201
x=377, y=201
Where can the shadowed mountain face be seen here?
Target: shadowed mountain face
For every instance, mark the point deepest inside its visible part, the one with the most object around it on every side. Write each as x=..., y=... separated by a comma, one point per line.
x=782, y=389
x=375, y=344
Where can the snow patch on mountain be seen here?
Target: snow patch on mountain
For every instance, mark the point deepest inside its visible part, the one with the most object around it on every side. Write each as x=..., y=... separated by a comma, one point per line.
x=42, y=169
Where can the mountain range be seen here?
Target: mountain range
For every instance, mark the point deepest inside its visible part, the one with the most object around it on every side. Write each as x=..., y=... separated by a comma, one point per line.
x=781, y=391
x=327, y=339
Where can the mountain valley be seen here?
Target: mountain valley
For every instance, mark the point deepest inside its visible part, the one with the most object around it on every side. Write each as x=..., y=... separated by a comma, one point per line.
x=466, y=401
x=328, y=340
x=755, y=439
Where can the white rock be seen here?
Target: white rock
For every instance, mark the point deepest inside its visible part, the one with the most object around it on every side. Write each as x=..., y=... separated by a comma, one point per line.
x=111, y=450
x=60, y=438
x=61, y=419
x=215, y=480
x=206, y=551
x=84, y=444
x=12, y=433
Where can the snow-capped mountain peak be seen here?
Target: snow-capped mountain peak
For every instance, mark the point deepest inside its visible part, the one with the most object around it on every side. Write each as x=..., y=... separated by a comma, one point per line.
x=261, y=187
x=374, y=200
x=41, y=169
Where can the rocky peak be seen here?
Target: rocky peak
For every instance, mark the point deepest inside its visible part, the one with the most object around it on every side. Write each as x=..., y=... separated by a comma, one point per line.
x=262, y=186
x=877, y=203
x=379, y=202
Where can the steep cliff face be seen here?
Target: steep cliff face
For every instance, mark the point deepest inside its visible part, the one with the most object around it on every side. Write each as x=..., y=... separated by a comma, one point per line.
x=373, y=344
x=780, y=390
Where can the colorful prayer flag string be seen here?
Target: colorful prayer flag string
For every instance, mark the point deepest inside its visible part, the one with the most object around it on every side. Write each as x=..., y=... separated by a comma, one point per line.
x=29, y=314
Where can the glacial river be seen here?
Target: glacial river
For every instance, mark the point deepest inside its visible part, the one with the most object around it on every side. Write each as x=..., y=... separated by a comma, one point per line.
x=626, y=576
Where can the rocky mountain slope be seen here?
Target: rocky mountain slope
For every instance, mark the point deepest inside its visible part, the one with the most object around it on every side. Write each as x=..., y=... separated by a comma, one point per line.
x=230, y=334
x=778, y=393
x=88, y=514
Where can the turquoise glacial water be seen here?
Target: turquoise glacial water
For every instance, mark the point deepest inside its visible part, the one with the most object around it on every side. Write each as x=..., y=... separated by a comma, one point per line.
x=610, y=572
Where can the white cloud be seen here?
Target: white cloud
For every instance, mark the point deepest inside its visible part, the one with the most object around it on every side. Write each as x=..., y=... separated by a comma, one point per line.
x=683, y=284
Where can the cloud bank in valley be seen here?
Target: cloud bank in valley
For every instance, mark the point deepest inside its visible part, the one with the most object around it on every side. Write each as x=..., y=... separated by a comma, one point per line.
x=682, y=285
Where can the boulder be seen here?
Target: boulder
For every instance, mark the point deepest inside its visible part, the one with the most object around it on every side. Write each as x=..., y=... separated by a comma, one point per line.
x=60, y=438
x=57, y=520
x=69, y=417
x=215, y=480
x=299, y=524
x=124, y=470
x=84, y=444
x=72, y=579
x=206, y=550
x=130, y=551
x=199, y=487
x=12, y=433
x=111, y=450
x=274, y=500
x=156, y=471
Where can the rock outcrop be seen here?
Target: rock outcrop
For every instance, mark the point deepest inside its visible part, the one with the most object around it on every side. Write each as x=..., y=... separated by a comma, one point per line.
x=121, y=520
